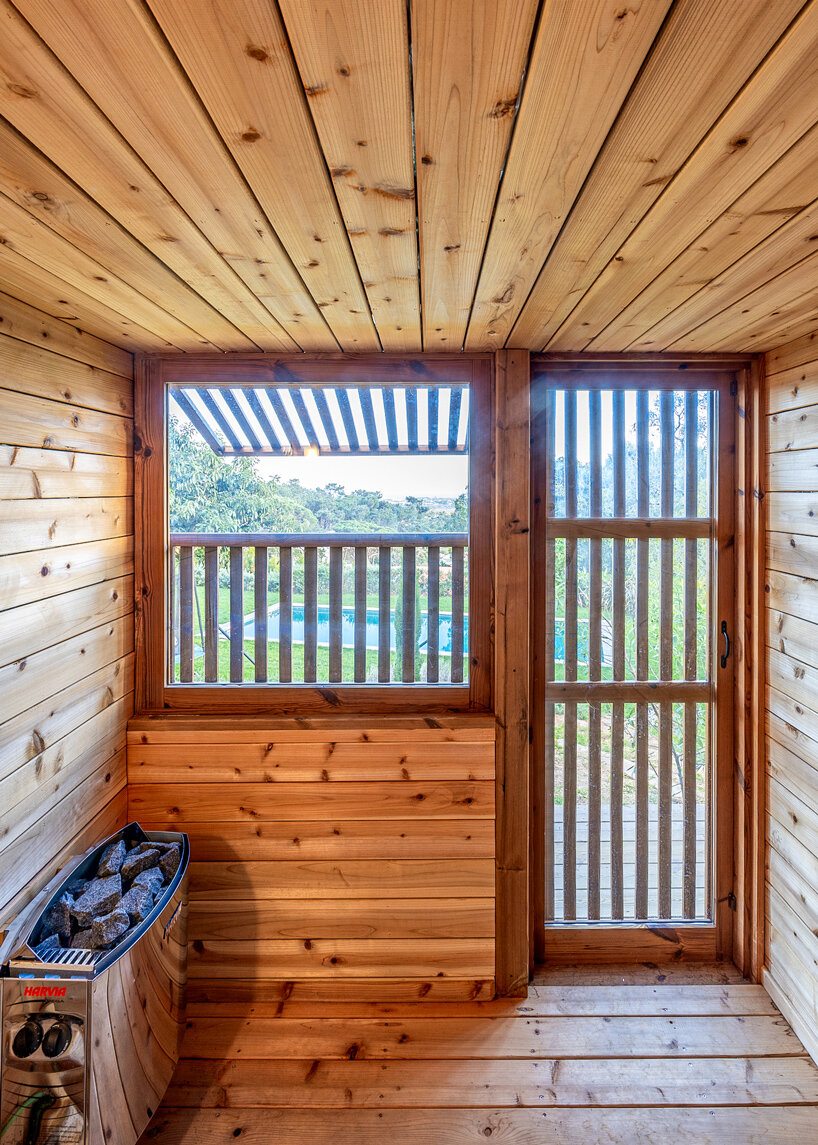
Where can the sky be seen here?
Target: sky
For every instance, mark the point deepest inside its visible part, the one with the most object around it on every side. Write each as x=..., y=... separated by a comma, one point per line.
x=394, y=477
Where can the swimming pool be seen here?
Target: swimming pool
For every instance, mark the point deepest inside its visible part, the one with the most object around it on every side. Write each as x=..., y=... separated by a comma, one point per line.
x=348, y=628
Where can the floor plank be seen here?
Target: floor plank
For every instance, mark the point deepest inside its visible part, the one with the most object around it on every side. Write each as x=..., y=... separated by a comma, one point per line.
x=613, y=1055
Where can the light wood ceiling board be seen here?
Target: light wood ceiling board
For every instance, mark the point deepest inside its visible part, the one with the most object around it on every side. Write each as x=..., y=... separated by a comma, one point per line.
x=36, y=185
x=353, y=57
x=59, y=299
x=44, y=246
x=788, y=298
x=585, y=58
x=700, y=61
x=115, y=51
x=23, y=322
x=57, y=116
x=797, y=320
x=784, y=248
x=793, y=354
x=772, y=112
x=464, y=99
x=780, y=194
x=237, y=57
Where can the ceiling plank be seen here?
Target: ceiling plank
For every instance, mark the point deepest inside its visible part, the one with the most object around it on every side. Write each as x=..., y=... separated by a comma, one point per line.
x=701, y=60
x=789, y=245
x=57, y=298
x=780, y=194
x=585, y=58
x=20, y=321
x=353, y=57
x=464, y=100
x=237, y=57
x=774, y=110
x=42, y=245
x=120, y=58
x=774, y=306
x=37, y=186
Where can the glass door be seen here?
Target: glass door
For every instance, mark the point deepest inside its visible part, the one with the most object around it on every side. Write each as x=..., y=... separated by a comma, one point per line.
x=632, y=675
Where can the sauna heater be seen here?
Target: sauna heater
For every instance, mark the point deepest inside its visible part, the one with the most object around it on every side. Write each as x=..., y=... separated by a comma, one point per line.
x=93, y=996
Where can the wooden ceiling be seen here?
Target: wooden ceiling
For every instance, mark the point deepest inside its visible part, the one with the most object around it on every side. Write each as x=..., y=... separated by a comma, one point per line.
x=593, y=175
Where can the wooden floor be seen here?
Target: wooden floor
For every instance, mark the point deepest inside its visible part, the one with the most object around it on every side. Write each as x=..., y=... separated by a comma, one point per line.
x=651, y=1055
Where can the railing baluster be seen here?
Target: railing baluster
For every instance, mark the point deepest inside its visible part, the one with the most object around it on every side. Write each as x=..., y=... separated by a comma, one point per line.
x=173, y=614
x=666, y=662
x=569, y=758
x=260, y=614
x=360, y=615
x=211, y=611
x=642, y=655
x=690, y=653
x=285, y=614
x=408, y=667
x=458, y=598
x=236, y=614
x=618, y=650
x=550, y=655
x=595, y=660
x=310, y=613
x=186, y=615
x=433, y=616
x=384, y=614
x=336, y=594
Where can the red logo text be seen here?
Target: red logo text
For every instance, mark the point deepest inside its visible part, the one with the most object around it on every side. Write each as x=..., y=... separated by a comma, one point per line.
x=44, y=992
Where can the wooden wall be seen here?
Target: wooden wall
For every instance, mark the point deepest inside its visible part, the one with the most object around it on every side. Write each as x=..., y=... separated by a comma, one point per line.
x=792, y=684
x=66, y=593
x=346, y=855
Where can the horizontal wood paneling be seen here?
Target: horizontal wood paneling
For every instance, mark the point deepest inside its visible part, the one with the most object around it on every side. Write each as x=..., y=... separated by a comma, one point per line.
x=344, y=850
x=66, y=594
x=792, y=678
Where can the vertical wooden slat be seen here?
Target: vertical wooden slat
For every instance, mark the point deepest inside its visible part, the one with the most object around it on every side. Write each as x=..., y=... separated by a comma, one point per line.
x=346, y=417
x=284, y=418
x=690, y=666
x=666, y=660
x=336, y=593
x=360, y=614
x=368, y=411
x=320, y=399
x=211, y=608
x=458, y=598
x=310, y=612
x=434, y=407
x=389, y=416
x=594, y=657
x=412, y=418
x=261, y=609
x=549, y=652
x=433, y=616
x=384, y=615
x=285, y=615
x=408, y=627
x=236, y=615
x=618, y=656
x=642, y=654
x=455, y=400
x=186, y=614
x=569, y=808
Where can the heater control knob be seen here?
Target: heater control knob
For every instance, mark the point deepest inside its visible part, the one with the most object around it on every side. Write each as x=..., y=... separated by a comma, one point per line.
x=27, y=1039
x=57, y=1040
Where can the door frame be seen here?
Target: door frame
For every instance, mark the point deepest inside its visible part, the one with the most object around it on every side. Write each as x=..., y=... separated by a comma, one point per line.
x=739, y=827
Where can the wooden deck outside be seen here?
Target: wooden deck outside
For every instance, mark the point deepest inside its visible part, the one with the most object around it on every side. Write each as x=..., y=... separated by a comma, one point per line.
x=686, y=1055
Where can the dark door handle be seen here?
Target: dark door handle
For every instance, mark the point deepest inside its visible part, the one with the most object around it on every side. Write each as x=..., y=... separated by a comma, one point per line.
x=726, y=651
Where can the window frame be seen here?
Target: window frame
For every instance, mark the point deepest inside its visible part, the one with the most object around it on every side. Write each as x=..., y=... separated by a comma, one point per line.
x=153, y=375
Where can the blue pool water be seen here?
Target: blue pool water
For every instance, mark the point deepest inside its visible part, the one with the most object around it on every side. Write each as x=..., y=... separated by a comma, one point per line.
x=348, y=628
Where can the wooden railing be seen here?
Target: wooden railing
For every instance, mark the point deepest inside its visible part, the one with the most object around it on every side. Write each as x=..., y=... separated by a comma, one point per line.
x=240, y=601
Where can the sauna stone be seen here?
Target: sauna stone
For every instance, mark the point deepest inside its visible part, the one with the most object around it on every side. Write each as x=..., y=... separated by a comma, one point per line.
x=109, y=927
x=137, y=902
x=152, y=879
x=138, y=861
x=112, y=859
x=101, y=897
x=169, y=863
x=58, y=917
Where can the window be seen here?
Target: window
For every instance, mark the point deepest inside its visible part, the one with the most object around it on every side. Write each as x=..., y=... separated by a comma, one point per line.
x=316, y=530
